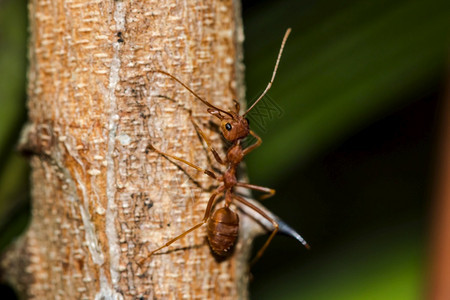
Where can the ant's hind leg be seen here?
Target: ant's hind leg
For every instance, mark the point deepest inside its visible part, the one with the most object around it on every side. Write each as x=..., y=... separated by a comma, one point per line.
x=204, y=220
x=263, y=214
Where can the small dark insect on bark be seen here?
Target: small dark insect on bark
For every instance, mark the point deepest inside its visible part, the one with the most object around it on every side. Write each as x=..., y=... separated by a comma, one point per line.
x=223, y=224
x=120, y=38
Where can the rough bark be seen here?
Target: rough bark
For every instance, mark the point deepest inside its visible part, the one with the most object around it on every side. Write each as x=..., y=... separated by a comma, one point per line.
x=100, y=202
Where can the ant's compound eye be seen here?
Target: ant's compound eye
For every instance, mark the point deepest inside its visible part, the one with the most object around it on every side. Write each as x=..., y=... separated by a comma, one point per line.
x=248, y=121
x=228, y=126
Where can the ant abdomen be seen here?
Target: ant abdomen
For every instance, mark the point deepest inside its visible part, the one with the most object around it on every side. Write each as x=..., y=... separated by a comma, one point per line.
x=223, y=229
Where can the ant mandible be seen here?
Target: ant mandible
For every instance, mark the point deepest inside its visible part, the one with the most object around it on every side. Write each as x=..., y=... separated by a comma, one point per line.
x=223, y=225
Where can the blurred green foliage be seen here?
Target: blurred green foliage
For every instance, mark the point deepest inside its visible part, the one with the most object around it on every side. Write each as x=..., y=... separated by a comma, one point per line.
x=343, y=68
x=347, y=66
x=380, y=266
x=13, y=168
x=348, y=143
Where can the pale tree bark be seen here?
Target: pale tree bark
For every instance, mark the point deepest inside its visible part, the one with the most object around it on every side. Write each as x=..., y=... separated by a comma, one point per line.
x=100, y=200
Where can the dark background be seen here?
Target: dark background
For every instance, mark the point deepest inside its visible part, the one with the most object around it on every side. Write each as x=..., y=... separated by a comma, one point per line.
x=352, y=155
x=350, y=131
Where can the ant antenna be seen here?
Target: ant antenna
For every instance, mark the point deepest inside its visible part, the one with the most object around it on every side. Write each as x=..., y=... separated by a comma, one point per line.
x=192, y=92
x=288, y=31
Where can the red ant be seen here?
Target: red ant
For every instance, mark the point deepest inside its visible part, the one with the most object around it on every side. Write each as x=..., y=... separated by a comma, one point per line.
x=223, y=225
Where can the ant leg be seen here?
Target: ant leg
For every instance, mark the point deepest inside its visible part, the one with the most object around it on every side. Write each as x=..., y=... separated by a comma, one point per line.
x=237, y=106
x=255, y=145
x=205, y=218
x=205, y=138
x=269, y=192
x=202, y=134
x=275, y=225
x=207, y=172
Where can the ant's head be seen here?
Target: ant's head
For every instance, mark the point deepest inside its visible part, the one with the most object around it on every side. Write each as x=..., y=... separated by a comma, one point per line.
x=233, y=126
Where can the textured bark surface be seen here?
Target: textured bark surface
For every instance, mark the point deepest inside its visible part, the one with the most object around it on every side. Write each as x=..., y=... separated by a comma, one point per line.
x=100, y=202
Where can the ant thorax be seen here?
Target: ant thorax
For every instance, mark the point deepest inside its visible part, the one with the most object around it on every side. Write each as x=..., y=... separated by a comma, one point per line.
x=235, y=154
x=229, y=177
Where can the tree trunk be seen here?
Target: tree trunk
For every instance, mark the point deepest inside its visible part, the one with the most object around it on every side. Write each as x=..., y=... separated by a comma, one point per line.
x=100, y=200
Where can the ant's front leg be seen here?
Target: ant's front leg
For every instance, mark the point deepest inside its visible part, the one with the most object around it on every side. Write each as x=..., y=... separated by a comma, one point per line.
x=255, y=145
x=208, y=142
x=200, y=132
